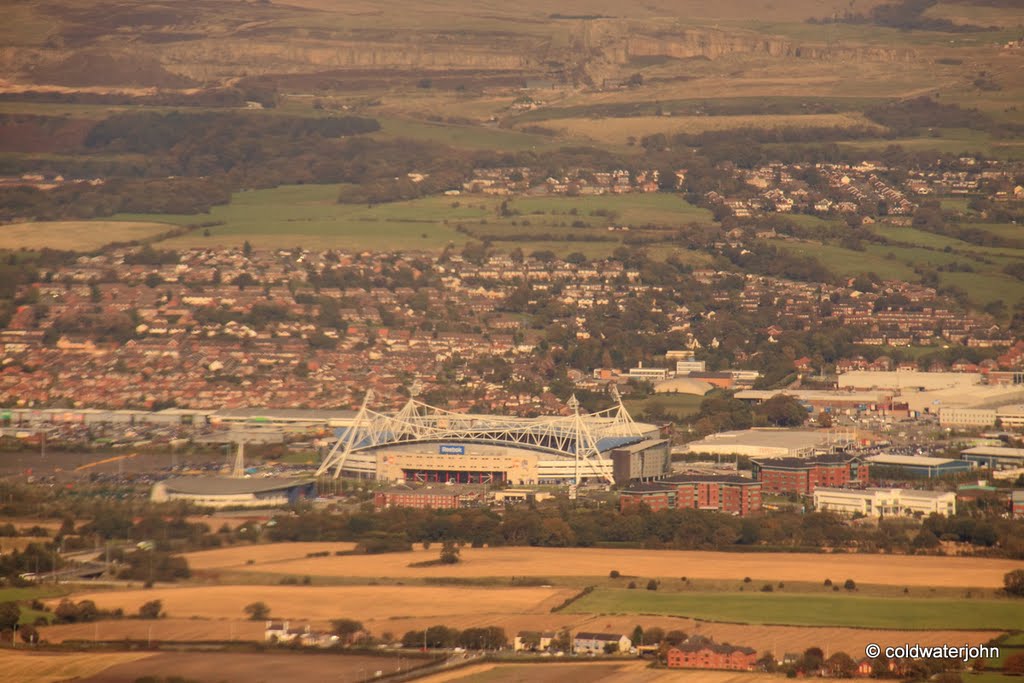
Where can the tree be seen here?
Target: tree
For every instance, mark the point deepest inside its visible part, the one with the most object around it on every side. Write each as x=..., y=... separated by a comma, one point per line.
x=1013, y=583
x=652, y=585
x=841, y=665
x=611, y=648
x=257, y=611
x=151, y=609
x=247, y=249
x=449, y=552
x=29, y=634
x=346, y=629
x=10, y=613
x=850, y=585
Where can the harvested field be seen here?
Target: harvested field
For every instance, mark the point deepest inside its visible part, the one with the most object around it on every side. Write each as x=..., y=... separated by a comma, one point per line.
x=75, y=235
x=251, y=668
x=324, y=603
x=37, y=667
x=626, y=672
x=889, y=570
x=261, y=555
x=780, y=638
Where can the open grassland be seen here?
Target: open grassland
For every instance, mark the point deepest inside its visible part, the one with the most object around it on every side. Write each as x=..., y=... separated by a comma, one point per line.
x=324, y=603
x=677, y=405
x=309, y=216
x=248, y=666
x=811, y=610
x=463, y=136
x=38, y=667
x=260, y=555
x=78, y=235
x=885, y=570
x=617, y=130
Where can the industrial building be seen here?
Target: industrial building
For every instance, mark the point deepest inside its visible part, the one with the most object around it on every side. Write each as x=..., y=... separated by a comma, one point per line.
x=920, y=466
x=882, y=502
x=908, y=380
x=421, y=443
x=804, y=475
x=235, y=492
x=824, y=400
x=994, y=457
x=764, y=443
x=1007, y=416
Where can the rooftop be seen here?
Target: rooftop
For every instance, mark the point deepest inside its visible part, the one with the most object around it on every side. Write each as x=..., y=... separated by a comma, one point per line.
x=232, y=486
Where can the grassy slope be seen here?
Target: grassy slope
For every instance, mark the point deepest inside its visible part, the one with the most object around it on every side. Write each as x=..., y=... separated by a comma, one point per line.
x=810, y=610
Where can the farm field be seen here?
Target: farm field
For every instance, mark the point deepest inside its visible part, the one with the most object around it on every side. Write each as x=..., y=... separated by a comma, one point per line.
x=77, y=235
x=25, y=667
x=331, y=602
x=618, y=130
x=309, y=216
x=250, y=667
x=260, y=555
x=811, y=610
x=550, y=562
x=759, y=636
x=627, y=672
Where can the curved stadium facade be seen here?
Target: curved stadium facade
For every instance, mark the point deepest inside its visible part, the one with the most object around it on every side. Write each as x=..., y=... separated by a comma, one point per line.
x=424, y=443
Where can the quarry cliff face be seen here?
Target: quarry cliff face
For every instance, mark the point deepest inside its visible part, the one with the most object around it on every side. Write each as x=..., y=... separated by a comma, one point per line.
x=598, y=45
x=712, y=44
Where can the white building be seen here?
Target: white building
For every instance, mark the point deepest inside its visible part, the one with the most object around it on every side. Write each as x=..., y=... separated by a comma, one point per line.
x=687, y=366
x=762, y=443
x=907, y=380
x=648, y=374
x=877, y=502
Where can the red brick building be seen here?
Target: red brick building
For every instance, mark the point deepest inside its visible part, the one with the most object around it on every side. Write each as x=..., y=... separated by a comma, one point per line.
x=702, y=653
x=803, y=475
x=724, y=493
x=440, y=498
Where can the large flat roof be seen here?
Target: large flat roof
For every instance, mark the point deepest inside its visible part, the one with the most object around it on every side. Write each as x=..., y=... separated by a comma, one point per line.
x=997, y=451
x=913, y=460
x=232, y=485
x=793, y=439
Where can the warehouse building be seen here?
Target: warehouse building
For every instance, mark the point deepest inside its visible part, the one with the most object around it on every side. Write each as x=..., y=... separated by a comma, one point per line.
x=994, y=457
x=765, y=443
x=883, y=502
x=918, y=465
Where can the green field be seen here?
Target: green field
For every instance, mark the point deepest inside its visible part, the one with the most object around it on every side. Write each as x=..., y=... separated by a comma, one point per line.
x=809, y=610
x=309, y=216
x=677, y=405
x=847, y=262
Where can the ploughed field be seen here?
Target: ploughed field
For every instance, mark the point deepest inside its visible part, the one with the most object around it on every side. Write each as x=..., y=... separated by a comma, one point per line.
x=888, y=570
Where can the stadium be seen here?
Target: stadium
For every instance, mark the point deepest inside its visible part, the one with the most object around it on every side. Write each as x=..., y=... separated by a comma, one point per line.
x=421, y=443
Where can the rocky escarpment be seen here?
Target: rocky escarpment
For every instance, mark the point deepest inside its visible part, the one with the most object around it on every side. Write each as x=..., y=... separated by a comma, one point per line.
x=713, y=44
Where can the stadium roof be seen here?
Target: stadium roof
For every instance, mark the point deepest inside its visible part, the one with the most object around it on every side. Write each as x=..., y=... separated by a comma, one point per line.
x=232, y=486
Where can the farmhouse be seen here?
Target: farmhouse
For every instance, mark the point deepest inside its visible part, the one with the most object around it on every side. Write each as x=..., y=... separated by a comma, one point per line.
x=595, y=642
x=533, y=641
x=703, y=653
